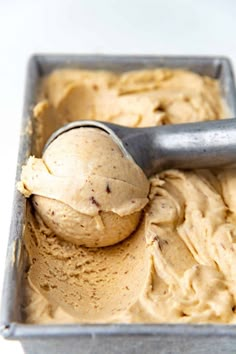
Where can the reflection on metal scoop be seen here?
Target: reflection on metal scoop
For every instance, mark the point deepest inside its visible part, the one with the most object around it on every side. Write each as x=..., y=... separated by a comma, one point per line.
x=187, y=146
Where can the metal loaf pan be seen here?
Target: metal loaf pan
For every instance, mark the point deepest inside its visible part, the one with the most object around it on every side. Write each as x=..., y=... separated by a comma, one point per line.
x=110, y=338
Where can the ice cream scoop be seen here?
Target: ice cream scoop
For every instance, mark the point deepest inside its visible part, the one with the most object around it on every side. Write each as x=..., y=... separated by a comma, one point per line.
x=187, y=146
x=85, y=189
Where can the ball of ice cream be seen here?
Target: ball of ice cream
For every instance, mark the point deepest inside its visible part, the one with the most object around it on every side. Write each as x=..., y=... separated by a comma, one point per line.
x=85, y=190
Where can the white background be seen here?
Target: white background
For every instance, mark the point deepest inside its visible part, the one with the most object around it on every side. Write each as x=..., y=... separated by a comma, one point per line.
x=90, y=26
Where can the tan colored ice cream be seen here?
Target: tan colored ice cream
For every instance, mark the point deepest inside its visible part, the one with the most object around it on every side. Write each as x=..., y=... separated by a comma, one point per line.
x=179, y=266
x=85, y=189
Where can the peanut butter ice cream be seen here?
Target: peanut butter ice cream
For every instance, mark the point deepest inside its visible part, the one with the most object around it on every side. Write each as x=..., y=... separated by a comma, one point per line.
x=179, y=265
x=85, y=189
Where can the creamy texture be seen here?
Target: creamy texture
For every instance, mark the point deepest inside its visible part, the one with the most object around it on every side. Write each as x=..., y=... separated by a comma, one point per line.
x=85, y=189
x=179, y=266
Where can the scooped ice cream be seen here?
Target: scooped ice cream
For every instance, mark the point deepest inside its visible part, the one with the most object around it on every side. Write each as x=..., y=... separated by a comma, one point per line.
x=85, y=189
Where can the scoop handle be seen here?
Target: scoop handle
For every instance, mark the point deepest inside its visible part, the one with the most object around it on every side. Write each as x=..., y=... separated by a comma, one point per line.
x=187, y=146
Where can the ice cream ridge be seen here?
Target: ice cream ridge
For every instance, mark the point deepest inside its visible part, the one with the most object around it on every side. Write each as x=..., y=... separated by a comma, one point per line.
x=103, y=243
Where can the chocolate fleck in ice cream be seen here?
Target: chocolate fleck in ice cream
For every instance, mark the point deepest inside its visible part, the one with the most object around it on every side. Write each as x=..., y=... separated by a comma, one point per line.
x=177, y=263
